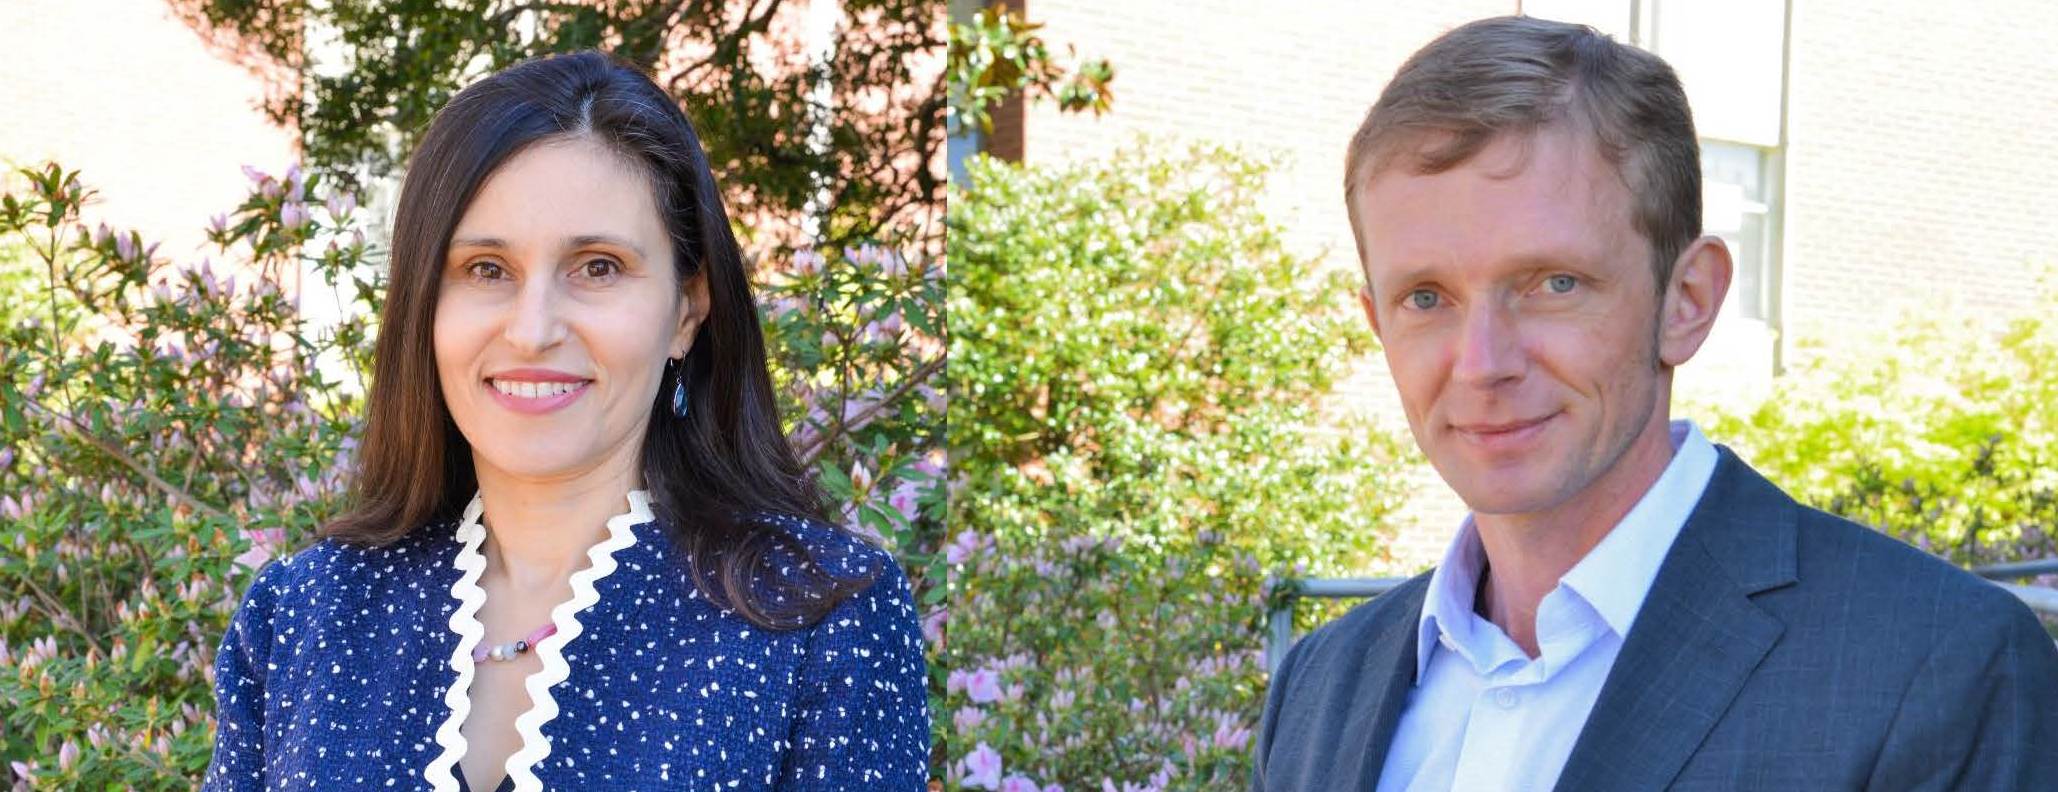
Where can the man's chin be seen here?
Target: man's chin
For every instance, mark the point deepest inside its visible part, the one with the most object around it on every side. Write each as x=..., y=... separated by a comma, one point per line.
x=1504, y=494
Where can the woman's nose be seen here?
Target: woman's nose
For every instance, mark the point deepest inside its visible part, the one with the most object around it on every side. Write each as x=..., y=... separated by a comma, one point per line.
x=535, y=321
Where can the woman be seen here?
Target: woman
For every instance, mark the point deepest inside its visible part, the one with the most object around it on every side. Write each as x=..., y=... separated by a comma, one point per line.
x=582, y=554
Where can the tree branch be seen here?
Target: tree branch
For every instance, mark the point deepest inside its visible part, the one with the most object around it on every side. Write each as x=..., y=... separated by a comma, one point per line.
x=131, y=463
x=838, y=426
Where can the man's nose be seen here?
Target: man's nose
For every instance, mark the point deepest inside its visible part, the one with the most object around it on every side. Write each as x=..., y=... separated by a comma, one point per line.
x=536, y=322
x=1489, y=347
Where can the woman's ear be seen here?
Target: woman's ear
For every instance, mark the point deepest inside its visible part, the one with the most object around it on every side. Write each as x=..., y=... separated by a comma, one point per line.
x=693, y=307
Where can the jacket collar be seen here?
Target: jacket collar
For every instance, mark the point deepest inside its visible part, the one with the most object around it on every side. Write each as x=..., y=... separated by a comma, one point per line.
x=1697, y=639
x=622, y=534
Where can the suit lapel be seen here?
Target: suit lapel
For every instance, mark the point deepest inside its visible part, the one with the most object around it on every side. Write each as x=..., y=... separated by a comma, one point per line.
x=1375, y=712
x=1696, y=640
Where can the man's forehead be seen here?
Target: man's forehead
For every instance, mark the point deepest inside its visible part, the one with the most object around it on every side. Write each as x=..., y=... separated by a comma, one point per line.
x=1529, y=198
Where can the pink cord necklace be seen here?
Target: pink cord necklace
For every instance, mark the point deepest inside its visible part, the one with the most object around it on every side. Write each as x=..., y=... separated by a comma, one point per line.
x=509, y=651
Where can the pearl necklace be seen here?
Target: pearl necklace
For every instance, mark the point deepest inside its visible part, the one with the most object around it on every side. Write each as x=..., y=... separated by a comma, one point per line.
x=509, y=651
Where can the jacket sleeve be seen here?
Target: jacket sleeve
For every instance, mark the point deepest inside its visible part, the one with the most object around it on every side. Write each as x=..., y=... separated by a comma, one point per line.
x=241, y=665
x=1982, y=712
x=1268, y=724
x=863, y=704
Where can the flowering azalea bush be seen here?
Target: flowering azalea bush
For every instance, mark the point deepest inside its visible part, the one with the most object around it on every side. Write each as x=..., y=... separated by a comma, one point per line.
x=167, y=427
x=858, y=342
x=1133, y=448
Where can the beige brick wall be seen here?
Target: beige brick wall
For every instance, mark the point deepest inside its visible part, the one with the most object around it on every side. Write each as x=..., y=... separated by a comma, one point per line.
x=124, y=92
x=1918, y=168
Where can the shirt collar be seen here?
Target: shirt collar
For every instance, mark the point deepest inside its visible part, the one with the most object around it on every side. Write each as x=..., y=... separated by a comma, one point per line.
x=1613, y=578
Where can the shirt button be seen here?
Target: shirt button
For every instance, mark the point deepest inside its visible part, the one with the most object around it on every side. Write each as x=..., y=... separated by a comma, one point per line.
x=1506, y=697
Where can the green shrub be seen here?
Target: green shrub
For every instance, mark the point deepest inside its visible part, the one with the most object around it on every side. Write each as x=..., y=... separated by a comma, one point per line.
x=1943, y=432
x=1133, y=363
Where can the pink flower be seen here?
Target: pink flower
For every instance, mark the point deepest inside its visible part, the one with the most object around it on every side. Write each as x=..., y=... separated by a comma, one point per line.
x=785, y=305
x=982, y=767
x=860, y=478
x=293, y=215
x=933, y=397
x=807, y=262
x=857, y=404
x=1230, y=735
x=1017, y=783
x=983, y=686
x=961, y=549
x=932, y=626
x=254, y=175
x=125, y=246
x=340, y=205
x=262, y=544
x=968, y=718
x=892, y=265
x=904, y=500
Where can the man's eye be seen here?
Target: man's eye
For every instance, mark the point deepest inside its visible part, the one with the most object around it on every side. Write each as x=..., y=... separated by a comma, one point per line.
x=1423, y=299
x=1561, y=284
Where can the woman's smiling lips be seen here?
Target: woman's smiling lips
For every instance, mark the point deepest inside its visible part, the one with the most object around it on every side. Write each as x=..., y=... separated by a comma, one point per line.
x=533, y=391
x=1503, y=437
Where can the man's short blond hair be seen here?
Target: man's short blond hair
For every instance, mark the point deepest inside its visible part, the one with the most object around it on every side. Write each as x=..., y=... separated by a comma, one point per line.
x=1514, y=75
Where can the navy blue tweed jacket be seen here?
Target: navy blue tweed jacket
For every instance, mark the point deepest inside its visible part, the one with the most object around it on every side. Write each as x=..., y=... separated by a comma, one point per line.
x=348, y=668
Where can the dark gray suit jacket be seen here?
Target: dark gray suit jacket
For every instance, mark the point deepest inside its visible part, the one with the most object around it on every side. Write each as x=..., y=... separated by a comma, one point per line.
x=1780, y=648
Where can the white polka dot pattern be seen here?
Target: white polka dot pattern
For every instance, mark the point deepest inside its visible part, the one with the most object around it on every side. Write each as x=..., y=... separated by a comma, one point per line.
x=335, y=670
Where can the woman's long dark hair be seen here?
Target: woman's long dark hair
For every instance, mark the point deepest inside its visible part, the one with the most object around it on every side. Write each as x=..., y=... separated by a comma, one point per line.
x=716, y=475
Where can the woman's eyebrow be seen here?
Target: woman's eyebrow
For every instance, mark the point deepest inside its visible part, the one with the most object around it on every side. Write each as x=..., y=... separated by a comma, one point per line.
x=602, y=239
x=581, y=240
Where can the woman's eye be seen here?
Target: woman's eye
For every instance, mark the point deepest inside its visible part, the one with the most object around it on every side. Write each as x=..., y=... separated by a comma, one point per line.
x=1560, y=284
x=1422, y=299
x=483, y=270
x=601, y=268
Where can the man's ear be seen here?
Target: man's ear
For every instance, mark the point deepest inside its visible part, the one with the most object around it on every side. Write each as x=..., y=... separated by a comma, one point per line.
x=693, y=311
x=1700, y=281
x=1371, y=312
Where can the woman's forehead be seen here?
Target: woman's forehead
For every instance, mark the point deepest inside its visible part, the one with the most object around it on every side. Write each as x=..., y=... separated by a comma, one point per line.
x=563, y=192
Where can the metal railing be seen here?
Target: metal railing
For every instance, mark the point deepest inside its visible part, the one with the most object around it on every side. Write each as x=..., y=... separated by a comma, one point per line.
x=1279, y=622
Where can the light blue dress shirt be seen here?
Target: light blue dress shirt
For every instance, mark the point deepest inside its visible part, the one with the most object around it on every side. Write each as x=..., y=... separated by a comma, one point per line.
x=1484, y=715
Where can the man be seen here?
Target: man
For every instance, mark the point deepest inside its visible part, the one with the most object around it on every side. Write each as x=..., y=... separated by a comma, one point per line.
x=1628, y=607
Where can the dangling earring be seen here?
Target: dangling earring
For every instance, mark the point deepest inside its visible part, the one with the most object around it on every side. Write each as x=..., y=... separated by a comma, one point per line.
x=679, y=404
